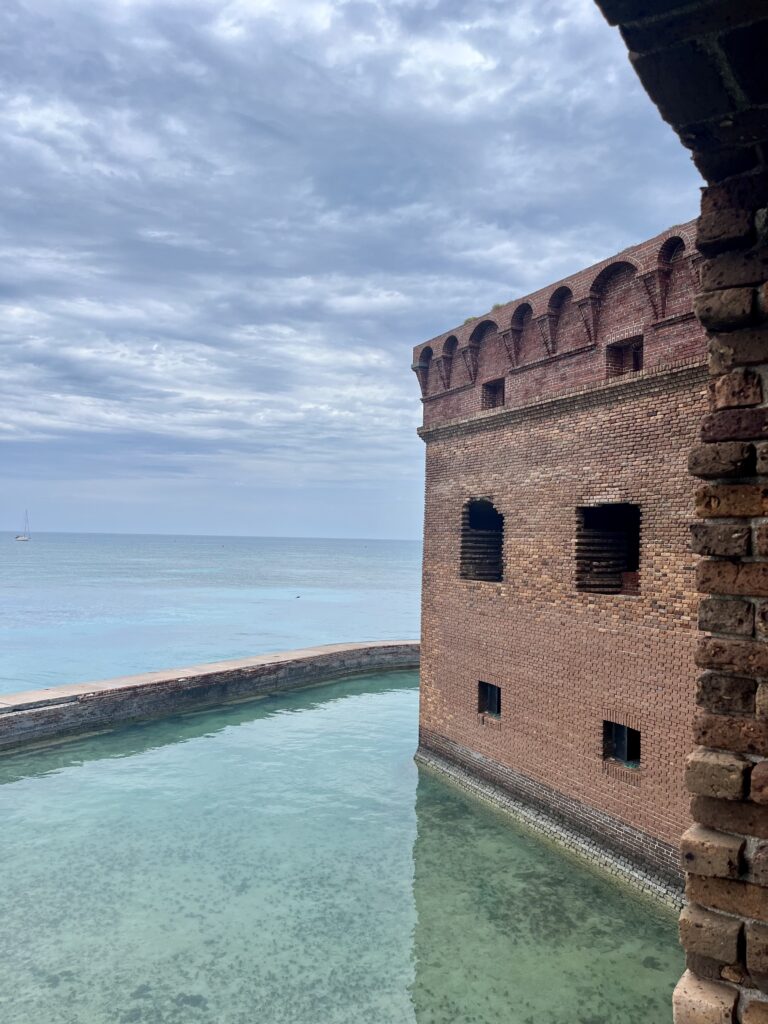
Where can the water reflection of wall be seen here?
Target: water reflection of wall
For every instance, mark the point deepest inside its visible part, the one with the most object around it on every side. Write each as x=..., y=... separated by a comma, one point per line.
x=500, y=914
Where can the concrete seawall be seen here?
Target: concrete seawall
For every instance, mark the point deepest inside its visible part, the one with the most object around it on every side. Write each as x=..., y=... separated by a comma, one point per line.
x=39, y=716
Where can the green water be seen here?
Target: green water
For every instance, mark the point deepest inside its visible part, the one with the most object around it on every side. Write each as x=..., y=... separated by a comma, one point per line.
x=284, y=862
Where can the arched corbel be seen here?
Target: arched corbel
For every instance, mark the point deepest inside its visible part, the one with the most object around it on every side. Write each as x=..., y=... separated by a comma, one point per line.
x=444, y=366
x=656, y=283
x=469, y=354
x=547, y=324
x=588, y=308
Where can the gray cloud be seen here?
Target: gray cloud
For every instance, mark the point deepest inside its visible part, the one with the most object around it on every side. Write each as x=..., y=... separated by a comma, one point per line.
x=225, y=224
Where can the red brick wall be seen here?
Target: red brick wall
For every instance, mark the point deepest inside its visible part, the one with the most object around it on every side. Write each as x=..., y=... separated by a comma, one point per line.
x=567, y=661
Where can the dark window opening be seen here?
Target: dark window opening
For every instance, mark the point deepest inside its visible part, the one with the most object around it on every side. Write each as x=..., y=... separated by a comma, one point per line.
x=489, y=699
x=620, y=743
x=493, y=394
x=608, y=549
x=625, y=357
x=482, y=541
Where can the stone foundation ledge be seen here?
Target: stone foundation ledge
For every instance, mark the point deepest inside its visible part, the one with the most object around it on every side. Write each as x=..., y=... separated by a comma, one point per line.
x=539, y=822
x=41, y=716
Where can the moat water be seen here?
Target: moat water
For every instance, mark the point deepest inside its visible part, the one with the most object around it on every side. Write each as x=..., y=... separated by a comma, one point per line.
x=283, y=861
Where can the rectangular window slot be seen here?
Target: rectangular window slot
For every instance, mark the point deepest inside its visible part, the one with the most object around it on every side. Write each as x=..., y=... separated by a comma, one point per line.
x=489, y=699
x=482, y=541
x=622, y=744
x=493, y=394
x=608, y=549
x=624, y=357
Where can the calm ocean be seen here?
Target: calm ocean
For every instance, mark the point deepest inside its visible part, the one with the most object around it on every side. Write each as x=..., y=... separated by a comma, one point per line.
x=77, y=607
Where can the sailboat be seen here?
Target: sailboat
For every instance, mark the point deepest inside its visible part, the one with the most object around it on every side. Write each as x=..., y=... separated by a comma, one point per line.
x=24, y=535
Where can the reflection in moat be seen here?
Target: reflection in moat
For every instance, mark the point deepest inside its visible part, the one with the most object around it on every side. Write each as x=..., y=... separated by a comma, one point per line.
x=282, y=862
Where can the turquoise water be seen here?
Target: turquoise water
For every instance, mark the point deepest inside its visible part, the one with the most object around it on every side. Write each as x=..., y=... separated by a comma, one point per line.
x=78, y=607
x=283, y=861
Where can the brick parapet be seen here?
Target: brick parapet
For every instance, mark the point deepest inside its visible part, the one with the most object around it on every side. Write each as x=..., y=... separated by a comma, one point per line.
x=569, y=335
x=725, y=934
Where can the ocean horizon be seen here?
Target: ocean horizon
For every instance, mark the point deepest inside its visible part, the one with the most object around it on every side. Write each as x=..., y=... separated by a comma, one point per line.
x=85, y=606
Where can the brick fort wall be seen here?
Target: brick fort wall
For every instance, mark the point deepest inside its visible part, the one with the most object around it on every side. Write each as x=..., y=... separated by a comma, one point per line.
x=570, y=433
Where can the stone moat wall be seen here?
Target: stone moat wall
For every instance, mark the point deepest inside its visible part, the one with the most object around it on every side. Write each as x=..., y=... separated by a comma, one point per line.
x=42, y=716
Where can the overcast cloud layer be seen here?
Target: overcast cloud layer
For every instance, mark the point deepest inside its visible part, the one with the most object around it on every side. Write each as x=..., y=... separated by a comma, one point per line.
x=226, y=223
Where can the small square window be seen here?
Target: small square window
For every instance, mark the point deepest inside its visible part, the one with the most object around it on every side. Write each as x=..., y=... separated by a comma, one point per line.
x=624, y=357
x=493, y=394
x=489, y=699
x=620, y=743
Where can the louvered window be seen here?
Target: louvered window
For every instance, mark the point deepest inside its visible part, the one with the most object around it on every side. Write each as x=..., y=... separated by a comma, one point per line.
x=482, y=541
x=608, y=549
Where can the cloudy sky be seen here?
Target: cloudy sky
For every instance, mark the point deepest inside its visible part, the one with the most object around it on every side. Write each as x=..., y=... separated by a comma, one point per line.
x=226, y=223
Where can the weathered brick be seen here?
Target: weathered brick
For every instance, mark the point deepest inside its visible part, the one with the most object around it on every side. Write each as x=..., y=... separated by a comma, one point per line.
x=724, y=539
x=715, y=500
x=716, y=774
x=740, y=657
x=742, y=348
x=742, y=734
x=719, y=163
x=705, y=967
x=758, y=783
x=725, y=310
x=675, y=26
x=724, y=458
x=730, y=615
x=742, y=579
x=761, y=619
x=748, y=125
x=749, y=191
x=761, y=457
x=734, y=973
x=726, y=694
x=695, y=92
x=740, y=387
x=743, y=818
x=705, y=851
x=728, y=895
x=725, y=229
x=757, y=947
x=735, y=425
x=630, y=10
x=761, y=540
x=740, y=45
x=735, y=269
x=710, y=934
x=757, y=864
x=761, y=703
x=754, y=1012
x=703, y=1002
x=762, y=302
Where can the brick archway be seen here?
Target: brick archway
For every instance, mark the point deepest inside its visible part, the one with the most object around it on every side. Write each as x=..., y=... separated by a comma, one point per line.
x=703, y=64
